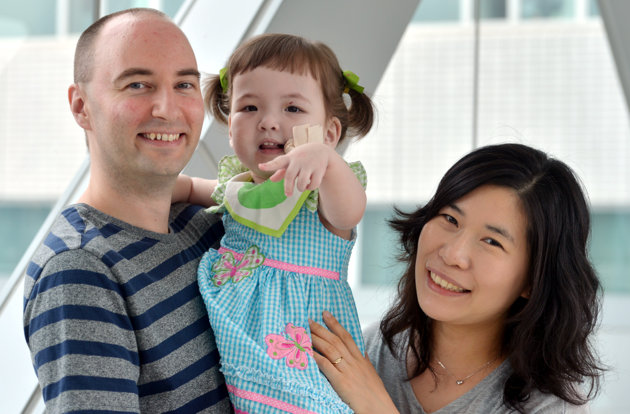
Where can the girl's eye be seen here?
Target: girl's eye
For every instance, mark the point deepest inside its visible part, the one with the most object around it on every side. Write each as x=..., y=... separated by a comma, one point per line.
x=293, y=108
x=250, y=108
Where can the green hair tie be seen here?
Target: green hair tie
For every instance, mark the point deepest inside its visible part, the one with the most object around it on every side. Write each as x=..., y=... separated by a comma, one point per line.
x=352, y=81
x=224, y=82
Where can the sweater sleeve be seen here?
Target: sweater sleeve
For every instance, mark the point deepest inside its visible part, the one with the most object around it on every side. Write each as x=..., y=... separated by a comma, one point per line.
x=81, y=339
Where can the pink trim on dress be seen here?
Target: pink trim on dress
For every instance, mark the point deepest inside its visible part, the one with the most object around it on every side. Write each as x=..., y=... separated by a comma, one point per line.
x=263, y=399
x=315, y=271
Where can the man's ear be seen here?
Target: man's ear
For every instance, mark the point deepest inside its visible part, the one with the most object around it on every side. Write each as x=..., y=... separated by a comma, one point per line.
x=77, y=106
x=332, y=132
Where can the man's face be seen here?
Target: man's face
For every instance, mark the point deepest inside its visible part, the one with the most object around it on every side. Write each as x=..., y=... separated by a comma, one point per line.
x=143, y=107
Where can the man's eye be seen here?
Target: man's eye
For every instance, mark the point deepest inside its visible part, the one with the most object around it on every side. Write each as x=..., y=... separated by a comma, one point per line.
x=136, y=85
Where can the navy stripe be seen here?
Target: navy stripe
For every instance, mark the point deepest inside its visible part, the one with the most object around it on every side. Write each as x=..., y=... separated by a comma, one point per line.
x=74, y=218
x=175, y=341
x=211, y=237
x=80, y=312
x=128, y=252
x=74, y=347
x=156, y=274
x=164, y=269
x=182, y=219
x=134, y=249
x=55, y=244
x=111, y=258
x=166, y=306
x=109, y=229
x=204, y=401
x=34, y=270
x=84, y=382
x=76, y=277
x=192, y=371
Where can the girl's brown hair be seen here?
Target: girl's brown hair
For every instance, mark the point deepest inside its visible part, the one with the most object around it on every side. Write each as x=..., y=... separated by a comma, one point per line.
x=294, y=54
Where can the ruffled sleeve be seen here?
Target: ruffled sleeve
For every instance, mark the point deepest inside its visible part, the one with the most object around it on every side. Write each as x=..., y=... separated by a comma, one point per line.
x=359, y=171
x=229, y=166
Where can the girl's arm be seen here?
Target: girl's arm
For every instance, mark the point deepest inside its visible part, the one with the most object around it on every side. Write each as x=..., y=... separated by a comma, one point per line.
x=350, y=373
x=342, y=199
x=194, y=190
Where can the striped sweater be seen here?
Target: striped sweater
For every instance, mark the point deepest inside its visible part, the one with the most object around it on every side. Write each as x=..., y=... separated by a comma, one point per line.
x=113, y=316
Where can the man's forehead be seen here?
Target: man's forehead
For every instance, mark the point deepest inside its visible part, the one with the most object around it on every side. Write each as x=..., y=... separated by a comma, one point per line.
x=146, y=45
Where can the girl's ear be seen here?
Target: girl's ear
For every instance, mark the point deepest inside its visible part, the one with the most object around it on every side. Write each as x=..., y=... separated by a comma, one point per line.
x=332, y=132
x=230, y=130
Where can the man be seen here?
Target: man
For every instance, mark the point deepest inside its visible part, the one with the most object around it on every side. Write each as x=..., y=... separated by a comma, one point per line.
x=112, y=313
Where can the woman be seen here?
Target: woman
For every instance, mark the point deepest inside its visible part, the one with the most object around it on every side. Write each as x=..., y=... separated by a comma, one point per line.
x=498, y=303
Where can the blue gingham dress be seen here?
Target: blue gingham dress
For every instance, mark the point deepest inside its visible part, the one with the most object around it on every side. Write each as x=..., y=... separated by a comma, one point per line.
x=273, y=303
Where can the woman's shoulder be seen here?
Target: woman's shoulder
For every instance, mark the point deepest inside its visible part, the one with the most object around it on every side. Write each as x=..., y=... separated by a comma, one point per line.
x=543, y=403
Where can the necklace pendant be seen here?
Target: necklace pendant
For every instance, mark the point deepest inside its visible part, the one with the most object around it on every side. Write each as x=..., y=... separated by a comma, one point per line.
x=459, y=382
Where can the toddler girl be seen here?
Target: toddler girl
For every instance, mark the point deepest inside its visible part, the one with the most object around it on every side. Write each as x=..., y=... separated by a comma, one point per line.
x=290, y=205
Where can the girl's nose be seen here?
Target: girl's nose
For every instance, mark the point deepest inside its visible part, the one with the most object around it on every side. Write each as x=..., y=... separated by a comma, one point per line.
x=268, y=123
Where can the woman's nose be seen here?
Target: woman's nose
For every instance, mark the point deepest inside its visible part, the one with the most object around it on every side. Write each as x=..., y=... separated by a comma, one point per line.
x=456, y=251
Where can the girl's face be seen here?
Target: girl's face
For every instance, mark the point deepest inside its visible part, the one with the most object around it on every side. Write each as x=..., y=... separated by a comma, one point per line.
x=266, y=105
x=472, y=259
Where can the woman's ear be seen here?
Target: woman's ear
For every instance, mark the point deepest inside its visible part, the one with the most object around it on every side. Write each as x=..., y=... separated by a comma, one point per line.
x=526, y=292
x=332, y=132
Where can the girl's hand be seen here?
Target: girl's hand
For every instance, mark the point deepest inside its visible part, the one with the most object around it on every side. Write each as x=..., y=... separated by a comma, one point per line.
x=304, y=166
x=350, y=373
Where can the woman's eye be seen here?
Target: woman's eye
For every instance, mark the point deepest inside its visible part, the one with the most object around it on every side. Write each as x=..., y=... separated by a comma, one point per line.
x=185, y=85
x=493, y=242
x=293, y=108
x=450, y=219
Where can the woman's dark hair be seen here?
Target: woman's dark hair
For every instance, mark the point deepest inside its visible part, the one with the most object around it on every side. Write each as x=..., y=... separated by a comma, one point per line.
x=547, y=336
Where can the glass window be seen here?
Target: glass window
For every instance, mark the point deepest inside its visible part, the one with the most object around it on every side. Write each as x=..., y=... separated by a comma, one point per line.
x=82, y=14
x=437, y=11
x=27, y=18
x=171, y=7
x=593, y=8
x=547, y=9
x=609, y=249
x=19, y=223
x=492, y=9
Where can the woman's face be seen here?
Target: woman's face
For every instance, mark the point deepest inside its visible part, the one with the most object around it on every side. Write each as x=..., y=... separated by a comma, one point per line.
x=472, y=259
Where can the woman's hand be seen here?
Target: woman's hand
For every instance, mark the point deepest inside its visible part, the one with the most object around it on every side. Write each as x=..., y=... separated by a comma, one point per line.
x=350, y=373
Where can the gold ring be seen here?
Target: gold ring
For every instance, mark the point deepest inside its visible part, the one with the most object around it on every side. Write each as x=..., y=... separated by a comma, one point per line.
x=338, y=360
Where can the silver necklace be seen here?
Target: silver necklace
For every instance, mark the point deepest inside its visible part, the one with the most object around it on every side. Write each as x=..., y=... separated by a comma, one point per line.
x=461, y=381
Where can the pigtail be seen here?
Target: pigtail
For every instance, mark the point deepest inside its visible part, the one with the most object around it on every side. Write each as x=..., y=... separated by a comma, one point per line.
x=360, y=114
x=216, y=101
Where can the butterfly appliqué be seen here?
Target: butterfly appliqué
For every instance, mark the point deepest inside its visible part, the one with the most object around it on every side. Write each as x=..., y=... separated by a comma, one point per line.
x=229, y=268
x=296, y=348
